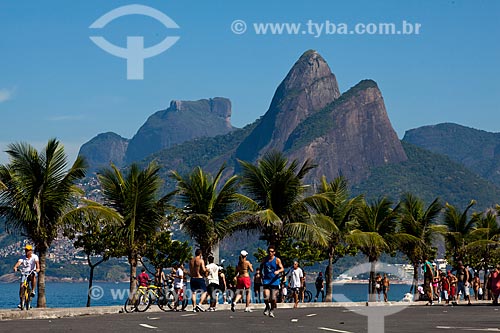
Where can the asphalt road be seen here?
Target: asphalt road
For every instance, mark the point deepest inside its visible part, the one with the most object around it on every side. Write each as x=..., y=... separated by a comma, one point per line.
x=342, y=320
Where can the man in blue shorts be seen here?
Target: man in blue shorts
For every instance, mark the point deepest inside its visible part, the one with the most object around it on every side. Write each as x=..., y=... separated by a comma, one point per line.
x=198, y=272
x=271, y=269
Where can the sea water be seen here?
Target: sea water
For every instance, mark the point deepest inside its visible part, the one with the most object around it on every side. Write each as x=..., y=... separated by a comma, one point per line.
x=74, y=294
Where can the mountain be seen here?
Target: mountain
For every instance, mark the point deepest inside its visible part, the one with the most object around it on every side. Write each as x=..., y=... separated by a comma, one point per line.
x=476, y=149
x=209, y=153
x=103, y=149
x=429, y=175
x=182, y=121
x=308, y=118
x=350, y=136
x=309, y=87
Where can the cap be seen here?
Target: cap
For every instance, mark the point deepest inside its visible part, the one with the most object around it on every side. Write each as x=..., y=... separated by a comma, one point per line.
x=244, y=253
x=28, y=247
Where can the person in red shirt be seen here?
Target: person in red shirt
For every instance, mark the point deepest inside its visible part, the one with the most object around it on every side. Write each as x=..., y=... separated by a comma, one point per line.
x=143, y=278
x=494, y=282
x=445, y=288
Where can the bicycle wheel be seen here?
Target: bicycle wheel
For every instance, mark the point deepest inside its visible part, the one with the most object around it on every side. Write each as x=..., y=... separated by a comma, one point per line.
x=130, y=305
x=166, y=303
x=144, y=302
x=307, y=296
x=27, y=298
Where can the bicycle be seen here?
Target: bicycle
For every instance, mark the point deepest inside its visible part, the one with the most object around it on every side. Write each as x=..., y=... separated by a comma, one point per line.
x=151, y=294
x=26, y=290
x=289, y=296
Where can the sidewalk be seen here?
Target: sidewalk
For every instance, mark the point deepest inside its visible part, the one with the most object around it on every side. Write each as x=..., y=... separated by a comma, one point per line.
x=51, y=313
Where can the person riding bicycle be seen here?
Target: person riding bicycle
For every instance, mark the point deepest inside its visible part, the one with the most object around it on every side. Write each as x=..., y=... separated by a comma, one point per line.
x=28, y=263
x=143, y=278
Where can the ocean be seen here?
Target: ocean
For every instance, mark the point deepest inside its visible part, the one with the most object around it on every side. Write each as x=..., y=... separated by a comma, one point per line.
x=68, y=295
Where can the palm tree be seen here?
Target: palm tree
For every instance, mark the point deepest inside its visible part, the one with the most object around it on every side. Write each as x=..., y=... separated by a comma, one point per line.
x=134, y=197
x=333, y=200
x=207, y=215
x=419, y=224
x=484, y=239
x=459, y=227
x=374, y=233
x=37, y=192
x=276, y=198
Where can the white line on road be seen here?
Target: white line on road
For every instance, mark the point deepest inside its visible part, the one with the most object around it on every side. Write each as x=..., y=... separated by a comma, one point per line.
x=153, y=318
x=469, y=328
x=332, y=330
x=147, y=326
x=311, y=315
x=188, y=315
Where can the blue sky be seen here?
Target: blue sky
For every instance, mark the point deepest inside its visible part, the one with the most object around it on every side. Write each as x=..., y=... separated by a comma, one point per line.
x=55, y=82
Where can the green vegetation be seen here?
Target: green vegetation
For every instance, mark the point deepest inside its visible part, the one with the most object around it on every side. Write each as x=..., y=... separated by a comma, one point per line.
x=329, y=224
x=38, y=190
x=428, y=175
x=475, y=149
x=183, y=158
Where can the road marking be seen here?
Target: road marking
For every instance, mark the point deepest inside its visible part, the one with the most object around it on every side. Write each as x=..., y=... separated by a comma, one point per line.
x=311, y=315
x=188, y=315
x=294, y=320
x=332, y=330
x=153, y=318
x=469, y=328
x=147, y=326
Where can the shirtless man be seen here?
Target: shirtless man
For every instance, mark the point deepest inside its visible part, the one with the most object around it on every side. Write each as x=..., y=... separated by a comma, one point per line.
x=197, y=271
x=243, y=281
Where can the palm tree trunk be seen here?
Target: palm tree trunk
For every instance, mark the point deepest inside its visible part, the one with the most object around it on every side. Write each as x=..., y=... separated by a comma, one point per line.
x=132, y=260
x=42, y=257
x=329, y=275
x=414, y=284
x=371, y=285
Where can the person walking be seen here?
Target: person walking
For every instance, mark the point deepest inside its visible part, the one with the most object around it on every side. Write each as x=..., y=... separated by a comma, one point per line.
x=296, y=282
x=243, y=282
x=494, y=284
x=378, y=285
x=385, y=287
x=428, y=278
x=257, y=286
x=271, y=268
x=197, y=271
x=462, y=281
x=178, y=275
x=453, y=287
x=476, y=286
x=320, y=287
x=222, y=284
x=445, y=288
x=213, y=282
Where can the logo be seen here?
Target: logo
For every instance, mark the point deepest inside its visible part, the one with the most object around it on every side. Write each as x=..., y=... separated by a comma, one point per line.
x=135, y=53
x=376, y=312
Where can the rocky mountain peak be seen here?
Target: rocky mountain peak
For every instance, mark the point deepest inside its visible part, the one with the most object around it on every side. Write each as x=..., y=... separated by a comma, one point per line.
x=182, y=121
x=307, y=88
x=309, y=68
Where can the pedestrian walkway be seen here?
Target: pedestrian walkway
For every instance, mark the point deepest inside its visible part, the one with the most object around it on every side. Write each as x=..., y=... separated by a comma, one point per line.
x=50, y=313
